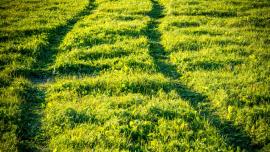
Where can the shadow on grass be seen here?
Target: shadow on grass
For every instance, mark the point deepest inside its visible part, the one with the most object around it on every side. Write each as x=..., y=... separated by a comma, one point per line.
x=56, y=36
x=29, y=130
x=81, y=69
x=74, y=117
x=234, y=136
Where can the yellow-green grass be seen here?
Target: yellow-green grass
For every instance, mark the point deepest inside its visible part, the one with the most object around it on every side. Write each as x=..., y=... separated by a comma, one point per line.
x=136, y=121
x=28, y=29
x=222, y=50
x=130, y=75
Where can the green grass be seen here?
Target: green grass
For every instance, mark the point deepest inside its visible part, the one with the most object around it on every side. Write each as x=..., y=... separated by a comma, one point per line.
x=225, y=57
x=129, y=75
x=28, y=31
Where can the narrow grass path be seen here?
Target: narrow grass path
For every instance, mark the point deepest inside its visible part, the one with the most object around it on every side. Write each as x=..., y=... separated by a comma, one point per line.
x=156, y=49
x=32, y=137
x=233, y=136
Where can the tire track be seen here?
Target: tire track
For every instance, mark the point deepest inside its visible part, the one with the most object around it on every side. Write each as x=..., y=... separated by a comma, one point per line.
x=30, y=133
x=41, y=71
x=234, y=135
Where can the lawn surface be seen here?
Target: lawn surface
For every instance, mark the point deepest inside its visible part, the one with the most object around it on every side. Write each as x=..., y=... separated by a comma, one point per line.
x=132, y=75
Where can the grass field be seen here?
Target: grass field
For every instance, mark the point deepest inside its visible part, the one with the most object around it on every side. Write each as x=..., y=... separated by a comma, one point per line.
x=132, y=75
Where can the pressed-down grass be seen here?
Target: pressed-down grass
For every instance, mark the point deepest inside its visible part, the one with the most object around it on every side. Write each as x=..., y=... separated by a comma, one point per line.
x=26, y=30
x=222, y=49
x=129, y=75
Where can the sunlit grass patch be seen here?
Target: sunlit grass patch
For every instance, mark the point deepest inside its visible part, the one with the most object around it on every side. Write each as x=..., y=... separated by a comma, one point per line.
x=129, y=75
x=26, y=28
x=221, y=51
x=120, y=122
